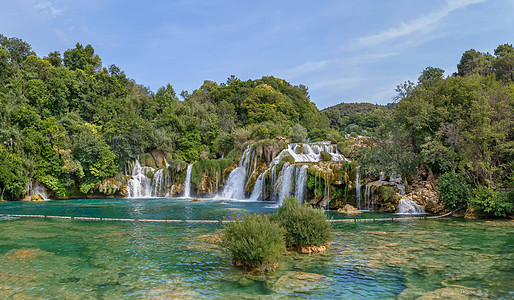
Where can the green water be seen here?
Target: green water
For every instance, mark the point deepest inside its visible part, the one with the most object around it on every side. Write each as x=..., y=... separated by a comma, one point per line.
x=53, y=258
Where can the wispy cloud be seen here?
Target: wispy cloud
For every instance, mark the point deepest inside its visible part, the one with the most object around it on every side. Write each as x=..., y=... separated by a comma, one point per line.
x=47, y=8
x=424, y=24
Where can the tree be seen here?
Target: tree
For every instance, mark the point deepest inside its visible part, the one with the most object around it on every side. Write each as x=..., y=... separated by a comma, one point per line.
x=83, y=58
x=18, y=49
x=13, y=178
x=54, y=58
x=504, y=62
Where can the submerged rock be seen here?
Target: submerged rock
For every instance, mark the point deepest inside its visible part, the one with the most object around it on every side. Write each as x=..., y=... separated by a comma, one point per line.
x=24, y=253
x=455, y=292
x=348, y=209
x=196, y=200
x=299, y=282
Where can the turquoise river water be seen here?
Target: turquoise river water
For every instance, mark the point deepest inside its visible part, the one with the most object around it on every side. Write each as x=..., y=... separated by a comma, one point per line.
x=78, y=259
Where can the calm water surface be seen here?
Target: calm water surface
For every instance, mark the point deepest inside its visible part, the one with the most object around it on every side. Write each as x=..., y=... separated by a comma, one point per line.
x=53, y=258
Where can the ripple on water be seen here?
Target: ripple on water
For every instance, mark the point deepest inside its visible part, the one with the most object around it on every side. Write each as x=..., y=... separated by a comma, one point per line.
x=80, y=259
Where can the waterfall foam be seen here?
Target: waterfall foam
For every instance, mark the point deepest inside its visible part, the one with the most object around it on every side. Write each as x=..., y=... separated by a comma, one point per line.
x=139, y=185
x=301, y=177
x=257, y=188
x=309, y=152
x=237, y=180
x=407, y=206
x=187, y=183
x=286, y=180
x=358, y=186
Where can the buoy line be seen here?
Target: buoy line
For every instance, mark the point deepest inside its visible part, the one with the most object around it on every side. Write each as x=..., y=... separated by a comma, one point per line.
x=352, y=220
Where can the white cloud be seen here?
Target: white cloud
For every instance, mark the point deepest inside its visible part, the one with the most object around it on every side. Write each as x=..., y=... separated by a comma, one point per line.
x=47, y=9
x=424, y=24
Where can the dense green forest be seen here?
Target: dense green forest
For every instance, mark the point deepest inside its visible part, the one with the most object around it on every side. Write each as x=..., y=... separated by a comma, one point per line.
x=69, y=122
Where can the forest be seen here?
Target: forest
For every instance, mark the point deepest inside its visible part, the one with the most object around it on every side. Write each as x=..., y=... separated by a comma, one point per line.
x=69, y=122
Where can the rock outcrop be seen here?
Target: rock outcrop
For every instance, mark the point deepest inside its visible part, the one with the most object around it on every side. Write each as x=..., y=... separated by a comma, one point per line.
x=424, y=194
x=348, y=209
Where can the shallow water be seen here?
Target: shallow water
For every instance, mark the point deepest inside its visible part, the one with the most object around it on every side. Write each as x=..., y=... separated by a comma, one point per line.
x=53, y=258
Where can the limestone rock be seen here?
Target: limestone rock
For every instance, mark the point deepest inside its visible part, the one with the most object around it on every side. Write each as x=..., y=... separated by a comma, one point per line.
x=424, y=194
x=311, y=249
x=299, y=282
x=454, y=292
x=348, y=209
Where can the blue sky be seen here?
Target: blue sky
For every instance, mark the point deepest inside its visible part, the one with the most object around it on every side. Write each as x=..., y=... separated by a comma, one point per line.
x=344, y=51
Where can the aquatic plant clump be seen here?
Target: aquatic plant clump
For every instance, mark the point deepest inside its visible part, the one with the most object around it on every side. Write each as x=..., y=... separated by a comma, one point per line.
x=307, y=229
x=254, y=241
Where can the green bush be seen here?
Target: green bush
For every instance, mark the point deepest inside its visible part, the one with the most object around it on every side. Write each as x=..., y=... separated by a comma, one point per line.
x=455, y=192
x=288, y=158
x=387, y=193
x=492, y=202
x=325, y=156
x=304, y=226
x=254, y=241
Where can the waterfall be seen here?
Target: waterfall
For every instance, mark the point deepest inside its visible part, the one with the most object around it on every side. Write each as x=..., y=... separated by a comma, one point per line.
x=37, y=189
x=358, y=186
x=236, y=181
x=301, y=177
x=234, y=188
x=258, y=187
x=139, y=185
x=399, y=184
x=407, y=206
x=286, y=179
x=367, y=195
x=309, y=152
x=158, y=183
x=187, y=183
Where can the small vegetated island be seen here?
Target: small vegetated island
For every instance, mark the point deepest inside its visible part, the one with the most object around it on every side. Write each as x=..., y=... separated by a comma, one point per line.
x=71, y=128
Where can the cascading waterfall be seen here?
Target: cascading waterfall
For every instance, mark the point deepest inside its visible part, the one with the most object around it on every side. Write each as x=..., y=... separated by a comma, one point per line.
x=35, y=188
x=187, y=183
x=258, y=187
x=237, y=180
x=301, y=177
x=309, y=152
x=139, y=185
x=407, y=206
x=358, y=186
x=290, y=180
x=286, y=180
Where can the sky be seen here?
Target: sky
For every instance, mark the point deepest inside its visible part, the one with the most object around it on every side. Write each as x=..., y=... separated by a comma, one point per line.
x=342, y=50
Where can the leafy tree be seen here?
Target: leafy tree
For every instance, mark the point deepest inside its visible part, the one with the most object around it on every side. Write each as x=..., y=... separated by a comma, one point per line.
x=13, y=178
x=83, y=58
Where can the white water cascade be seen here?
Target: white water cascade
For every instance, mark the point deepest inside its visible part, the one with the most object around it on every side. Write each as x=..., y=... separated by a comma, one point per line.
x=286, y=180
x=407, y=206
x=187, y=183
x=35, y=188
x=236, y=181
x=309, y=152
x=358, y=186
x=301, y=177
x=139, y=185
x=257, y=188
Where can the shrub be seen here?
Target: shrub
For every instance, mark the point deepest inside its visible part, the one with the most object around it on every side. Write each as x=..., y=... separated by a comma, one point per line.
x=287, y=158
x=254, y=241
x=325, y=156
x=455, y=192
x=492, y=202
x=304, y=226
x=387, y=193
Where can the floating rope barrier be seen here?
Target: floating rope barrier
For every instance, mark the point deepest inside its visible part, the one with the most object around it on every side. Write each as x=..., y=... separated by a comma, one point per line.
x=352, y=220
